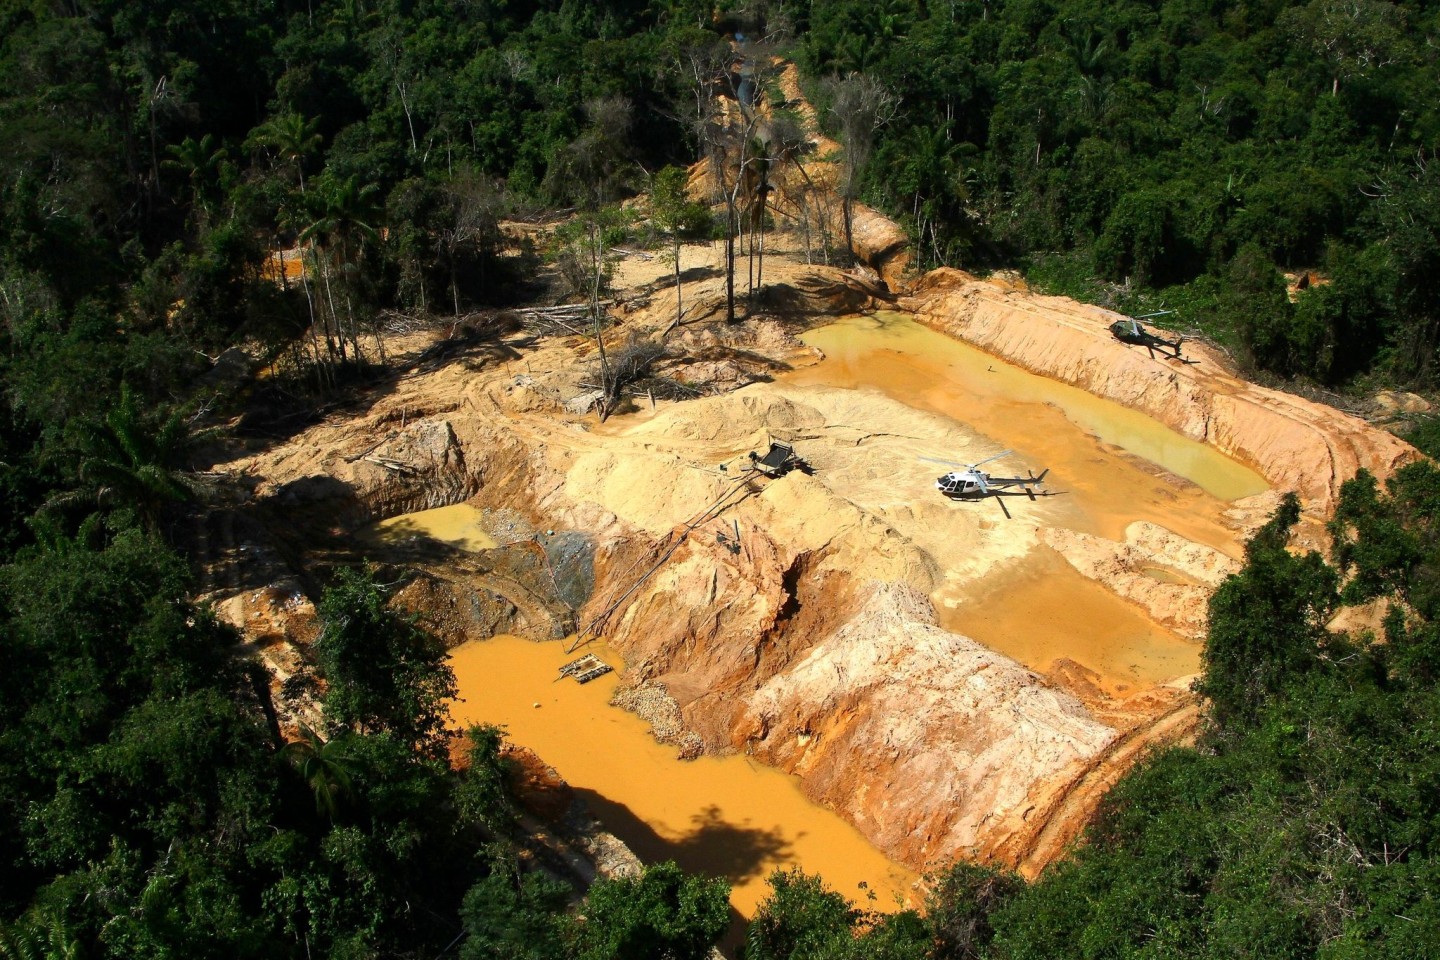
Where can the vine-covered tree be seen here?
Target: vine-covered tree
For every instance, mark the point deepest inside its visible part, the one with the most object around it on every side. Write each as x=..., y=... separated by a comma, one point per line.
x=1267, y=623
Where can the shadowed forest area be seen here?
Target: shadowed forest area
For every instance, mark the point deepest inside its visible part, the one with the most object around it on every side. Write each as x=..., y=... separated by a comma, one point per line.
x=1170, y=155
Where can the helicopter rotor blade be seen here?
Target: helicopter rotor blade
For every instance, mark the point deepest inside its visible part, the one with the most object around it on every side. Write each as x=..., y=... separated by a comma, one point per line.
x=1003, y=453
x=943, y=463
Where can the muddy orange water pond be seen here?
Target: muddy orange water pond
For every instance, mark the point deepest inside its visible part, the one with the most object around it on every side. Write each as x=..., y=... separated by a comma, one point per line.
x=1107, y=459
x=1112, y=466
x=720, y=816
x=459, y=525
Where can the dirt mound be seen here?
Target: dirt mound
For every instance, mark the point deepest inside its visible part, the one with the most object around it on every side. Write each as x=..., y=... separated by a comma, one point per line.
x=1170, y=577
x=737, y=419
x=922, y=706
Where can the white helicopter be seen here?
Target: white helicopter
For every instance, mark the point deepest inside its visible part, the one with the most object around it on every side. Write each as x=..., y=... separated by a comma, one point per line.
x=970, y=481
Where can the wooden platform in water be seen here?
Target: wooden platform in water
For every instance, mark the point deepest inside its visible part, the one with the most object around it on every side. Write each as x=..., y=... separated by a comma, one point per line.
x=586, y=668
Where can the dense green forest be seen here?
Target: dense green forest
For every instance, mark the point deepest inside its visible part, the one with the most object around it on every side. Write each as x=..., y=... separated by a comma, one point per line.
x=1174, y=154
x=1169, y=154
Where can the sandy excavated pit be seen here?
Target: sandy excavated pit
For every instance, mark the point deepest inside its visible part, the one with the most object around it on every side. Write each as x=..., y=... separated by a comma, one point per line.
x=1295, y=443
x=951, y=682
x=933, y=744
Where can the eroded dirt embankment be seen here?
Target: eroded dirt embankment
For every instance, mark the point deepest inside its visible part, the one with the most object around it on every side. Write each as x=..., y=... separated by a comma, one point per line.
x=1294, y=443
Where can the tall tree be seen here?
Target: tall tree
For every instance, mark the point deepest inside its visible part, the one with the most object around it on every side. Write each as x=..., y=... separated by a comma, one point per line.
x=860, y=105
x=587, y=260
x=661, y=915
x=325, y=767
x=202, y=163
x=383, y=673
x=470, y=232
x=293, y=137
x=801, y=917
x=673, y=212
x=341, y=224
x=132, y=458
x=1267, y=623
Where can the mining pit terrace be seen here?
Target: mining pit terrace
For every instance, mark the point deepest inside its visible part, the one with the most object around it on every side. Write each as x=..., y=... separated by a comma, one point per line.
x=870, y=680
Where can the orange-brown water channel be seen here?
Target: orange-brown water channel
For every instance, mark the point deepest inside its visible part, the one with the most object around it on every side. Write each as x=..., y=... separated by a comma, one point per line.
x=719, y=816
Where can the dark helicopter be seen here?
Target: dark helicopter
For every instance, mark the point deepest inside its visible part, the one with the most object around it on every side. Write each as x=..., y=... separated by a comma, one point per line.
x=1131, y=330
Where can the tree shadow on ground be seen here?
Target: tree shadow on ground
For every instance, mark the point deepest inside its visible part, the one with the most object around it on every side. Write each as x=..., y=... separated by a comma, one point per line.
x=688, y=275
x=713, y=846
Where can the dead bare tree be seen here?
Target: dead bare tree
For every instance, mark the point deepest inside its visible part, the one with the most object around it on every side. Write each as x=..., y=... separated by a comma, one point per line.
x=476, y=205
x=595, y=168
x=743, y=146
x=756, y=180
x=860, y=106
x=706, y=69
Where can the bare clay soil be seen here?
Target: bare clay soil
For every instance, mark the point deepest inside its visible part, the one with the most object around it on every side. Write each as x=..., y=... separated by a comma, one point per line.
x=830, y=640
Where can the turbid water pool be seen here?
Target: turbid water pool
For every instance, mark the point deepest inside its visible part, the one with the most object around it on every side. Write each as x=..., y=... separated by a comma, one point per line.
x=1109, y=466
x=719, y=816
x=460, y=525
x=1109, y=459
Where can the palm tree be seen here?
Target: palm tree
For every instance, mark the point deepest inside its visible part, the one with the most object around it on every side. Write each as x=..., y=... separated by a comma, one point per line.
x=324, y=767
x=931, y=171
x=39, y=937
x=340, y=225
x=294, y=218
x=201, y=162
x=292, y=137
x=127, y=459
